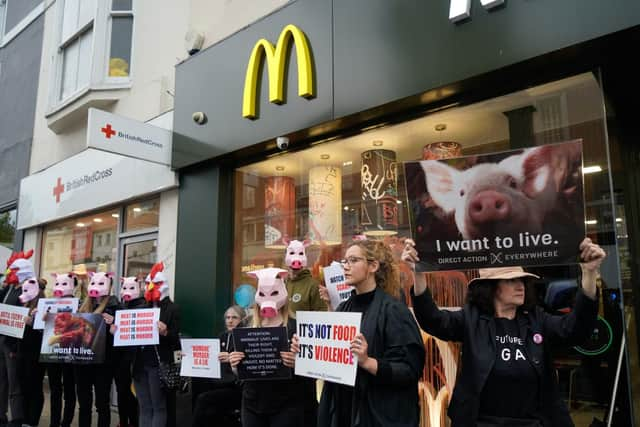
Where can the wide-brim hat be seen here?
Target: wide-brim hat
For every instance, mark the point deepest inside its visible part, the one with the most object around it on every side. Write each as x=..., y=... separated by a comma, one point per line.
x=501, y=273
x=80, y=269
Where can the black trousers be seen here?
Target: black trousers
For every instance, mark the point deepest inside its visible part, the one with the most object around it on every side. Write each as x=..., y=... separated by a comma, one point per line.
x=222, y=405
x=127, y=403
x=32, y=375
x=90, y=380
x=289, y=416
x=62, y=384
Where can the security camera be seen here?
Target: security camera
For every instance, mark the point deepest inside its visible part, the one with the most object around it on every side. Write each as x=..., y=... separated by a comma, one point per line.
x=282, y=142
x=199, y=117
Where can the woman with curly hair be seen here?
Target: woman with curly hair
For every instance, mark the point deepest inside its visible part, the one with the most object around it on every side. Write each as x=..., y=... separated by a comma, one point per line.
x=389, y=347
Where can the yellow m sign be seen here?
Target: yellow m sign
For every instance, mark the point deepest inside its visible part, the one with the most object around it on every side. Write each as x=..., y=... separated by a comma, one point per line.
x=276, y=61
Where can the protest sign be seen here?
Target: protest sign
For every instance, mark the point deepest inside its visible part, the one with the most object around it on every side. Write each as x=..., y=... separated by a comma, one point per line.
x=261, y=348
x=200, y=358
x=335, y=282
x=520, y=207
x=137, y=327
x=325, y=339
x=51, y=306
x=12, y=320
x=78, y=338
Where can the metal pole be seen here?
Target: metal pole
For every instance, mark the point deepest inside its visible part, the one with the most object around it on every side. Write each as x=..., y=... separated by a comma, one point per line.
x=615, y=382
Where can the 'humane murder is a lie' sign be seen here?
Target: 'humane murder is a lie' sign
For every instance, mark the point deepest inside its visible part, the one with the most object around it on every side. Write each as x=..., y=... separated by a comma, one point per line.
x=325, y=339
x=200, y=358
x=137, y=327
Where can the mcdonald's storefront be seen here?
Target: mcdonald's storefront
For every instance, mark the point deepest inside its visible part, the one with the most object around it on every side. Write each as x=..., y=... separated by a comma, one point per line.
x=358, y=87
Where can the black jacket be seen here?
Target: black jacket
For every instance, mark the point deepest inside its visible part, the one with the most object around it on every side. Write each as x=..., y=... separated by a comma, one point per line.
x=126, y=353
x=476, y=331
x=170, y=316
x=389, y=398
x=9, y=295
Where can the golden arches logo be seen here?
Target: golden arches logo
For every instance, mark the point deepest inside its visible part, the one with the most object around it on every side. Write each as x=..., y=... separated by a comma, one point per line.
x=275, y=57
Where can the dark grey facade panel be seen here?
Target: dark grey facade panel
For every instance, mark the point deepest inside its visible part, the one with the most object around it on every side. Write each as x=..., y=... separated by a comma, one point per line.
x=20, y=61
x=213, y=80
x=17, y=10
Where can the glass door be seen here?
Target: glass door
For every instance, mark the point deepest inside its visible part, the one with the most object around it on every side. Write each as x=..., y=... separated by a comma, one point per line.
x=138, y=255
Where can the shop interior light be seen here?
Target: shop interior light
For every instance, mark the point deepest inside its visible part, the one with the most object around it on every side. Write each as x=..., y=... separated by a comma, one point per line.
x=97, y=219
x=347, y=163
x=280, y=168
x=137, y=209
x=377, y=143
x=79, y=224
x=618, y=219
x=115, y=215
x=591, y=169
x=346, y=208
x=399, y=202
x=325, y=157
x=591, y=222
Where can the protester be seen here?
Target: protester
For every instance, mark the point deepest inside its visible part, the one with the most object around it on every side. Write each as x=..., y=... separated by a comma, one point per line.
x=19, y=269
x=130, y=299
x=220, y=399
x=509, y=380
x=61, y=378
x=157, y=404
x=389, y=347
x=272, y=402
x=96, y=378
x=31, y=371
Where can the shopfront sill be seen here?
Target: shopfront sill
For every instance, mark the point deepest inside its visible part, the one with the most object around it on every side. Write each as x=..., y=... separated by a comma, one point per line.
x=75, y=109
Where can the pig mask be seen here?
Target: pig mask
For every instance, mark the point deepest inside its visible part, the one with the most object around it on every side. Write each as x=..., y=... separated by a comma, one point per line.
x=296, y=256
x=99, y=284
x=271, y=295
x=157, y=284
x=30, y=291
x=129, y=288
x=65, y=284
x=499, y=197
x=19, y=268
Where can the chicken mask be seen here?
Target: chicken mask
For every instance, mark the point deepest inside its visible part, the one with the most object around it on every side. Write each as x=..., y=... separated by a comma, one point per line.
x=130, y=288
x=19, y=268
x=99, y=284
x=157, y=286
x=271, y=295
x=65, y=284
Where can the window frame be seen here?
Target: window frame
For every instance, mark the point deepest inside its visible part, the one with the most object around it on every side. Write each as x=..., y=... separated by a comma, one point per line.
x=99, y=79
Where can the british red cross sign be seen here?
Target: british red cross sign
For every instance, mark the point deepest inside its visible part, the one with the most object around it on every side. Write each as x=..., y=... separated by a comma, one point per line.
x=108, y=131
x=58, y=190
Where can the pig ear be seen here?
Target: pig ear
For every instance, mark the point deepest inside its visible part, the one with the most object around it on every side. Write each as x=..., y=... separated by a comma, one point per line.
x=441, y=180
x=534, y=166
x=54, y=275
x=282, y=274
x=110, y=274
x=286, y=240
x=91, y=273
x=252, y=274
x=121, y=280
x=306, y=243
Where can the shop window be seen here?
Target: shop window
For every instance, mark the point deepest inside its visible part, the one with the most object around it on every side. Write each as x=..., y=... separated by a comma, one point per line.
x=142, y=215
x=94, y=46
x=356, y=187
x=75, y=244
x=7, y=231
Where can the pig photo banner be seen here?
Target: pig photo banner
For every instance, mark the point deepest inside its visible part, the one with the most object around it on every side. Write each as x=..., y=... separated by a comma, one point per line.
x=12, y=320
x=78, y=338
x=334, y=280
x=325, y=339
x=51, y=306
x=514, y=208
x=200, y=358
x=261, y=348
x=137, y=327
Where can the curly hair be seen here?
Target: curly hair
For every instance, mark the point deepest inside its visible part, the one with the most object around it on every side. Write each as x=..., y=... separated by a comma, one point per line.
x=482, y=295
x=388, y=274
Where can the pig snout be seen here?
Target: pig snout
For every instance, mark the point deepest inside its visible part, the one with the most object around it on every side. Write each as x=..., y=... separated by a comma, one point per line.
x=93, y=293
x=126, y=297
x=296, y=264
x=58, y=293
x=489, y=206
x=268, y=309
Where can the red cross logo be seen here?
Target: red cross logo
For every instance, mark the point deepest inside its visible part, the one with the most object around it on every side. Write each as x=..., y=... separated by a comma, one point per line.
x=58, y=190
x=108, y=132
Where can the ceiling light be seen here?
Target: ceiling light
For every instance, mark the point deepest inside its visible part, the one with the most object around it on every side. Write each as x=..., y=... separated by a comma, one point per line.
x=591, y=169
x=440, y=127
x=137, y=209
x=97, y=219
x=377, y=143
x=347, y=163
x=79, y=224
x=346, y=208
x=115, y=215
x=399, y=202
x=324, y=157
x=591, y=222
x=279, y=168
x=618, y=219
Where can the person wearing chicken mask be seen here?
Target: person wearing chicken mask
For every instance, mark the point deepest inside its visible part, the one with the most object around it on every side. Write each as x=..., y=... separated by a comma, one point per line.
x=96, y=379
x=157, y=405
x=278, y=402
x=19, y=269
x=31, y=371
x=62, y=381
x=130, y=298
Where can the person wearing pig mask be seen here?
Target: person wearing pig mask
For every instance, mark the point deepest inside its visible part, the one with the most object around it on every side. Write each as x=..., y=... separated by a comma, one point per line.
x=19, y=269
x=508, y=380
x=277, y=402
x=157, y=405
x=303, y=289
x=96, y=379
x=61, y=377
x=131, y=298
